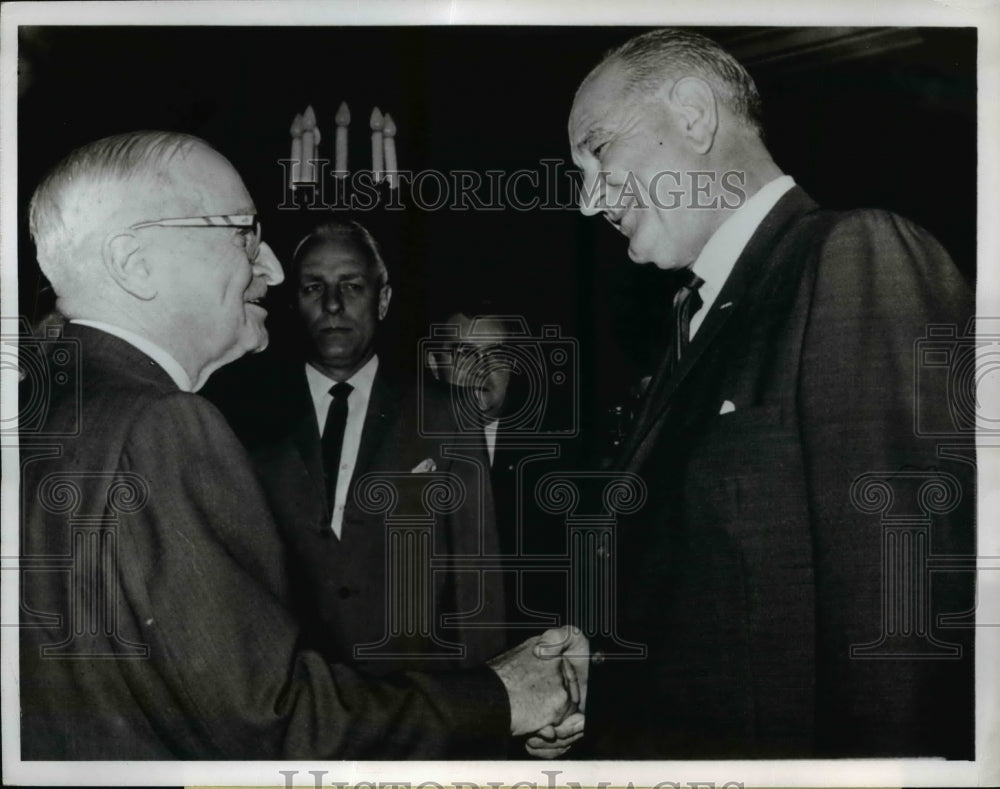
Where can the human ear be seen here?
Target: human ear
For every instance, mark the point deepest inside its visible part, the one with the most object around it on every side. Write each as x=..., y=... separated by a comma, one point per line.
x=384, y=297
x=126, y=265
x=694, y=100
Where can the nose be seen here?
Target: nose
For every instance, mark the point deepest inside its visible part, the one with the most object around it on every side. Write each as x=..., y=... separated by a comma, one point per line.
x=592, y=198
x=333, y=300
x=268, y=266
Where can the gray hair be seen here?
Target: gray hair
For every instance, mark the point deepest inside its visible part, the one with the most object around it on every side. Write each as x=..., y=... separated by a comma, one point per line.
x=112, y=160
x=341, y=231
x=652, y=57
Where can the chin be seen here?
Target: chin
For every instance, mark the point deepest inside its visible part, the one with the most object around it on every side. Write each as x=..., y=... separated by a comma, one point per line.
x=638, y=257
x=258, y=342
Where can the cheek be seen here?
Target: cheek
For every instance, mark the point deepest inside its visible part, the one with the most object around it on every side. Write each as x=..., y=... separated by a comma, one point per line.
x=309, y=309
x=365, y=314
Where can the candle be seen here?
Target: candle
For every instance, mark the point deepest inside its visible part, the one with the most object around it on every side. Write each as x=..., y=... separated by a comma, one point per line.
x=343, y=120
x=315, y=167
x=296, y=132
x=309, y=145
x=377, y=160
x=390, y=151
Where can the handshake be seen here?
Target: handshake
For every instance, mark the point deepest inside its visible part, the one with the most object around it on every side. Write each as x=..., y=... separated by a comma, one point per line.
x=546, y=682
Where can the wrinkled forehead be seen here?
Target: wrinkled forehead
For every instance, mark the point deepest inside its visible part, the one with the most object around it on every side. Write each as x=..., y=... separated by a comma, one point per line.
x=336, y=258
x=599, y=96
x=196, y=181
x=201, y=182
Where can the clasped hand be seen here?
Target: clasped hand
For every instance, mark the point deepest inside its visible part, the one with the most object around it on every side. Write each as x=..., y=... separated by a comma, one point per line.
x=546, y=682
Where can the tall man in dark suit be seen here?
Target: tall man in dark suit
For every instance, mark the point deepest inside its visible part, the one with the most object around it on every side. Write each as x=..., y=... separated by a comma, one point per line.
x=155, y=619
x=350, y=422
x=778, y=575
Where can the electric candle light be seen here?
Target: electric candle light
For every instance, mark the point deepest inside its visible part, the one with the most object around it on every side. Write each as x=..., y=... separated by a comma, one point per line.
x=309, y=139
x=343, y=120
x=296, y=132
x=390, y=151
x=377, y=161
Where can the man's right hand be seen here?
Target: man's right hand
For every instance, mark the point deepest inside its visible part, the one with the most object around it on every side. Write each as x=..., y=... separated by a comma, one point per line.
x=540, y=690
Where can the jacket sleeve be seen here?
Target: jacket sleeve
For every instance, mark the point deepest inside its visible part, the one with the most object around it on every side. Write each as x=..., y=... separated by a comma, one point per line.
x=203, y=572
x=879, y=283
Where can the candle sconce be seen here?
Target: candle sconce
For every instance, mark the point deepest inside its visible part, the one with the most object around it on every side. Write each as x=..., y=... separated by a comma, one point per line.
x=307, y=167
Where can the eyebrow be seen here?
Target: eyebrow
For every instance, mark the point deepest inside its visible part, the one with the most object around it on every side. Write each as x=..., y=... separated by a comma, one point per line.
x=319, y=277
x=593, y=132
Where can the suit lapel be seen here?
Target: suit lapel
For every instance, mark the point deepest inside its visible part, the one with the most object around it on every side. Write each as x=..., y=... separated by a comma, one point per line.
x=749, y=275
x=383, y=407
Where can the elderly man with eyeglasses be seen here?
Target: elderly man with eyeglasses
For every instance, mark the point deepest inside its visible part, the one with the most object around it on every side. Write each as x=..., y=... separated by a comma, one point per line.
x=154, y=589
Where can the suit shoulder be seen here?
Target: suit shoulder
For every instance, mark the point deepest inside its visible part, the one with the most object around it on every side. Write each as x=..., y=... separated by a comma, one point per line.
x=174, y=415
x=885, y=227
x=877, y=273
x=888, y=257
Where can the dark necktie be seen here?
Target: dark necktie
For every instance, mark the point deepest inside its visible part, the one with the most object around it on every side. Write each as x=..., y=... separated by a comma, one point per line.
x=333, y=440
x=686, y=303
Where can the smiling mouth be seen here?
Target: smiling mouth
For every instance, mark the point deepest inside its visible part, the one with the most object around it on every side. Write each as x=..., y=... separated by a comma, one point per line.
x=617, y=221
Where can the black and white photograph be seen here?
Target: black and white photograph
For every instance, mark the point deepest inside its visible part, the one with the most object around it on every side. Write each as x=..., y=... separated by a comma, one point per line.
x=475, y=394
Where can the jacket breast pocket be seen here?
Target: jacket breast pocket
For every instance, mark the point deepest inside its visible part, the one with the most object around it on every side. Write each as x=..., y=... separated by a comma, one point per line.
x=745, y=471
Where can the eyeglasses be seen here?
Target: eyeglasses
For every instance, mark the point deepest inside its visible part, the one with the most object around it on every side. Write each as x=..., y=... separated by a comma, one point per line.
x=251, y=239
x=470, y=354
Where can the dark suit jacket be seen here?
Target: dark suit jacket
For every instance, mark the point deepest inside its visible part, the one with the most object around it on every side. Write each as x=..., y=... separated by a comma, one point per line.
x=753, y=569
x=536, y=589
x=155, y=620
x=340, y=585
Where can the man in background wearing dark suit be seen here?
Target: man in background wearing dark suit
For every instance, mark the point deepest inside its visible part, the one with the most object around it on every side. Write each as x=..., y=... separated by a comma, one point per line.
x=348, y=418
x=485, y=361
x=154, y=608
x=777, y=574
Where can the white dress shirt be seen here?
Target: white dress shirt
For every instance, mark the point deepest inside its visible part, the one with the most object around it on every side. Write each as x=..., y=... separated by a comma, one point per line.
x=719, y=255
x=490, y=429
x=169, y=364
x=357, y=409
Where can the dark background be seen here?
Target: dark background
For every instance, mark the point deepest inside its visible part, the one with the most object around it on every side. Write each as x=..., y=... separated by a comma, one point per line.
x=860, y=117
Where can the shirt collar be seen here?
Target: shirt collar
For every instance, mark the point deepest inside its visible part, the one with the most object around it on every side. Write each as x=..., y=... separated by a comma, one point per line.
x=362, y=381
x=169, y=364
x=719, y=255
